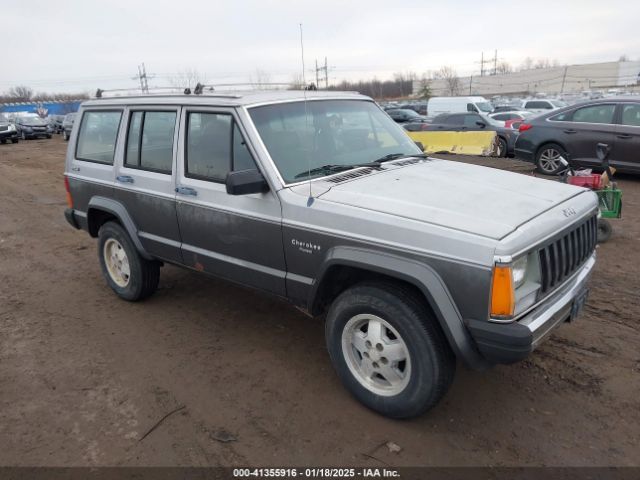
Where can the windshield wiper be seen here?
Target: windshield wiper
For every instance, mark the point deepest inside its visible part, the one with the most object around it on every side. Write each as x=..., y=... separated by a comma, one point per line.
x=396, y=156
x=331, y=168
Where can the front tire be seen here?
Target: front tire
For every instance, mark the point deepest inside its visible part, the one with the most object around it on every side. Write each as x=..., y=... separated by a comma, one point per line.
x=547, y=159
x=388, y=349
x=604, y=230
x=129, y=275
x=14, y=140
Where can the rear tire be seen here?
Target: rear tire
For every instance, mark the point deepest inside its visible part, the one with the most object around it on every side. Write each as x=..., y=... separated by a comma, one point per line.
x=503, y=147
x=129, y=275
x=14, y=140
x=2, y=141
x=388, y=349
x=604, y=230
x=547, y=161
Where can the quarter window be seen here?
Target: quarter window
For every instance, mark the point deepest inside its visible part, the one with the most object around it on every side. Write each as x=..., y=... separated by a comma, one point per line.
x=215, y=147
x=594, y=114
x=150, y=141
x=98, y=135
x=631, y=115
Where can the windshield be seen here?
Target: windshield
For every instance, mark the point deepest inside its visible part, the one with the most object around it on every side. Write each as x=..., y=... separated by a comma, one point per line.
x=33, y=119
x=333, y=132
x=484, y=107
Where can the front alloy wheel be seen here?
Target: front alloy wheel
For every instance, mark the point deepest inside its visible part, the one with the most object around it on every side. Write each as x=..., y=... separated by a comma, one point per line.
x=548, y=162
x=376, y=354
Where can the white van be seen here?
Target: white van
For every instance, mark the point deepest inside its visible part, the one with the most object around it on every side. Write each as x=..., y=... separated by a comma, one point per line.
x=438, y=105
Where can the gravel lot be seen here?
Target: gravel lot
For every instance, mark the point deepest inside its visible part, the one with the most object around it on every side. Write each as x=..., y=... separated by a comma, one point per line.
x=84, y=376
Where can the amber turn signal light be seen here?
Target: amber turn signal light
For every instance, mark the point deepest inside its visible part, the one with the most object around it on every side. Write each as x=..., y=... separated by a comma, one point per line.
x=503, y=299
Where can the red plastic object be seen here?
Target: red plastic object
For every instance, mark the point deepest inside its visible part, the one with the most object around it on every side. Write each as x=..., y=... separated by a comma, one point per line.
x=588, y=181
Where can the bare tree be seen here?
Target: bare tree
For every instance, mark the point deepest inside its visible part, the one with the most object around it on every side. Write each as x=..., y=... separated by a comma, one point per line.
x=527, y=64
x=21, y=93
x=451, y=79
x=542, y=63
x=260, y=79
x=187, y=78
x=296, y=82
x=624, y=58
x=504, y=67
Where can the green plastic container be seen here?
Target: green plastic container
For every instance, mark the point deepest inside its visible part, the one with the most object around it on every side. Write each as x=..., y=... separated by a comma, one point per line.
x=610, y=202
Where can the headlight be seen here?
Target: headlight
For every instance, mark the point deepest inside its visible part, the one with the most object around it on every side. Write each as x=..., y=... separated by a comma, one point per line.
x=519, y=271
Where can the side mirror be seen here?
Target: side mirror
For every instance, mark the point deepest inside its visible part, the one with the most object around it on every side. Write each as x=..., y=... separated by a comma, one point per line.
x=481, y=124
x=244, y=182
x=420, y=146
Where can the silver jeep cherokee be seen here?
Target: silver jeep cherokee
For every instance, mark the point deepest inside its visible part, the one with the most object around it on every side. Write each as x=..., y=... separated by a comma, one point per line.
x=320, y=198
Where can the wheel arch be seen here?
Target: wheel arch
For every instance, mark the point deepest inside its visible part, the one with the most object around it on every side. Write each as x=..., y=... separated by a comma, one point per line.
x=357, y=264
x=548, y=142
x=101, y=210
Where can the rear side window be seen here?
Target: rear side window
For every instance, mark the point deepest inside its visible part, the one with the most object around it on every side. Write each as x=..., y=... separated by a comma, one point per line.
x=471, y=108
x=539, y=105
x=215, y=147
x=631, y=115
x=98, y=135
x=150, y=141
x=594, y=114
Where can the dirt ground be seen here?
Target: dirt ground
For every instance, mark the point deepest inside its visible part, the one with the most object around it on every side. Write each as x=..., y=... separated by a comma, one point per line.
x=85, y=376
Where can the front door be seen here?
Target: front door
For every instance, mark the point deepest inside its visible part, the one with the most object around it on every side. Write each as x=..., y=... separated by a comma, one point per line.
x=238, y=237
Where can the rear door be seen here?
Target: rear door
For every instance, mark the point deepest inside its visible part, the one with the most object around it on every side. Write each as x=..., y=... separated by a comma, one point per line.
x=145, y=178
x=626, y=151
x=94, y=148
x=587, y=127
x=238, y=237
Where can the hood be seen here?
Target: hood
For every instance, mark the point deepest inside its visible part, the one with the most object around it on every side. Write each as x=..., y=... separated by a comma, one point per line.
x=470, y=198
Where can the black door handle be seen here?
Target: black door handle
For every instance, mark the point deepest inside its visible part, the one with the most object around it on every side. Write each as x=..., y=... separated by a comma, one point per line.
x=187, y=191
x=124, y=179
x=624, y=136
x=570, y=131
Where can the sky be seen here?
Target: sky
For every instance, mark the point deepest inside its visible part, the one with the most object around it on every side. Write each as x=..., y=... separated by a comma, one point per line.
x=78, y=46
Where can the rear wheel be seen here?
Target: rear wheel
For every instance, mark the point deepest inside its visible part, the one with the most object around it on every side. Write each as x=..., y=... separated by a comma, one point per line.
x=2, y=141
x=127, y=273
x=502, y=147
x=14, y=140
x=548, y=159
x=388, y=350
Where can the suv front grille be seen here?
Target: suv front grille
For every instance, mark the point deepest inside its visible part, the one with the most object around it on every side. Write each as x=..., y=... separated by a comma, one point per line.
x=564, y=256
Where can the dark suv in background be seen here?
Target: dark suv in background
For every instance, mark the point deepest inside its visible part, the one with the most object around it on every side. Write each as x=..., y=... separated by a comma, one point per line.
x=573, y=132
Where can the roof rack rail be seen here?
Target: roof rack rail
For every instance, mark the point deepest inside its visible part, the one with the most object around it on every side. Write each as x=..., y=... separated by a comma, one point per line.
x=199, y=89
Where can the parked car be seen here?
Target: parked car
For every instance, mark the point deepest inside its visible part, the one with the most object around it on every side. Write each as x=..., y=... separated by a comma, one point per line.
x=30, y=125
x=438, y=105
x=8, y=130
x=576, y=130
x=542, y=106
x=506, y=108
x=67, y=125
x=509, y=118
x=55, y=121
x=413, y=263
x=476, y=122
x=404, y=115
x=420, y=108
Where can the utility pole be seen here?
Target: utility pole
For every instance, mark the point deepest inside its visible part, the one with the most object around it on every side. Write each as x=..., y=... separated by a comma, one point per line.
x=495, y=63
x=482, y=64
x=143, y=78
x=564, y=77
x=470, y=83
x=325, y=71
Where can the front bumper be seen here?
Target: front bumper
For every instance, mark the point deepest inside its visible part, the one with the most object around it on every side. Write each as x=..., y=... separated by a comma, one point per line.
x=8, y=134
x=512, y=342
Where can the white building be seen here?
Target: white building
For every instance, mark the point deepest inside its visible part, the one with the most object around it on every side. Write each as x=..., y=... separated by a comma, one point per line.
x=552, y=81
